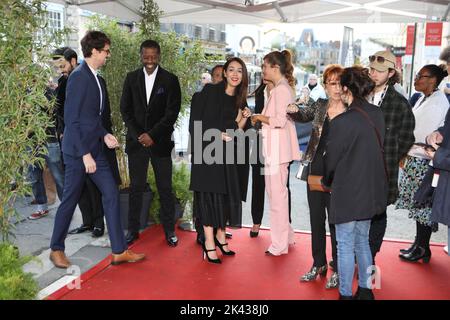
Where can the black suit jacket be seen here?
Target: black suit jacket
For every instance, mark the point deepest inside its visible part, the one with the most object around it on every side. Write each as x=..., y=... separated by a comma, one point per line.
x=157, y=118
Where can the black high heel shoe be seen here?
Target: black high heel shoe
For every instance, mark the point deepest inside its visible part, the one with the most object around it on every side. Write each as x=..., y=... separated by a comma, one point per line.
x=220, y=245
x=254, y=234
x=417, y=254
x=205, y=254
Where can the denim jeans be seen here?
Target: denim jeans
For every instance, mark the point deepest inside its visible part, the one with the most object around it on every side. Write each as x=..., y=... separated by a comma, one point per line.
x=353, y=239
x=35, y=175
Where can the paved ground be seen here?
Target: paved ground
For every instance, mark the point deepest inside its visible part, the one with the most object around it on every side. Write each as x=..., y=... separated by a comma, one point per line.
x=33, y=237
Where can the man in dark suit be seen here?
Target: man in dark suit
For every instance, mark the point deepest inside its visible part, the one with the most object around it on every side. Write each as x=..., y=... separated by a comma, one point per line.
x=84, y=154
x=150, y=104
x=90, y=202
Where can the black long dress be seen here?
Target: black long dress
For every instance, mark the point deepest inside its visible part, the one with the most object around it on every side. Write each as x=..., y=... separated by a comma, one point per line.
x=223, y=206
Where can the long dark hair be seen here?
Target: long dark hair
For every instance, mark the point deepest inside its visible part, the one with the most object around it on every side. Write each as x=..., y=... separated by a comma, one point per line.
x=283, y=59
x=241, y=89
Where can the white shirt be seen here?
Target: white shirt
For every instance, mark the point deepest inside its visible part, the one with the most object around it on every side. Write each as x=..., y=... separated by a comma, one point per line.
x=429, y=114
x=99, y=86
x=377, y=98
x=149, y=82
x=317, y=92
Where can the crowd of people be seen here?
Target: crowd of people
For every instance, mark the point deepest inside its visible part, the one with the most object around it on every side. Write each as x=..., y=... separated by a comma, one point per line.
x=368, y=148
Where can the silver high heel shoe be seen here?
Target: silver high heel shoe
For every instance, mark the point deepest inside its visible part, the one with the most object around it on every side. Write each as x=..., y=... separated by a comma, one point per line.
x=313, y=273
x=333, y=282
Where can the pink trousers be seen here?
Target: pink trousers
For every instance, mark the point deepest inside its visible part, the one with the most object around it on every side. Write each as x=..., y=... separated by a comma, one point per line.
x=281, y=232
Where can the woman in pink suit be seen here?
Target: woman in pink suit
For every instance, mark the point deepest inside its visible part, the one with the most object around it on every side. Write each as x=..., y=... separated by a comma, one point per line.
x=280, y=147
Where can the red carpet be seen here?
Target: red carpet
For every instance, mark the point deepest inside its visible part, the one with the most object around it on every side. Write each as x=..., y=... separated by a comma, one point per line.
x=181, y=274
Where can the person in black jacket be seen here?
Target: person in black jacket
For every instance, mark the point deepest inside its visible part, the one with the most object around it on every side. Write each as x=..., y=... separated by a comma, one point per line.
x=150, y=104
x=355, y=170
x=220, y=109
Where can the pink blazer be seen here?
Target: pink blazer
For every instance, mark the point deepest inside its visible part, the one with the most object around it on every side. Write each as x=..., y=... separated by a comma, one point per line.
x=280, y=144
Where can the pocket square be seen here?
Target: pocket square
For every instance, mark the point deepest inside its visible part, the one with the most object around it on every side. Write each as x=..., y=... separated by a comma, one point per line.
x=160, y=91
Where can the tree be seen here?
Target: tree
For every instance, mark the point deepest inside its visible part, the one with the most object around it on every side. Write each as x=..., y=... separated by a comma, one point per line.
x=25, y=109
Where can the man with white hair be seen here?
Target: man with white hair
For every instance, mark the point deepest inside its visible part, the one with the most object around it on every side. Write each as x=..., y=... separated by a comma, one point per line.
x=317, y=91
x=206, y=78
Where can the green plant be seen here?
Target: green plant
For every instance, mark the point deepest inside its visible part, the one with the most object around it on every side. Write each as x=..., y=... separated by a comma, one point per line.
x=179, y=55
x=25, y=110
x=180, y=185
x=14, y=283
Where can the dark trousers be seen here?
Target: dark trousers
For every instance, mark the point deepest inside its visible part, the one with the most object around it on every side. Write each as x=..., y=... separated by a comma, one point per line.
x=75, y=177
x=91, y=205
x=319, y=204
x=376, y=233
x=258, y=192
x=162, y=167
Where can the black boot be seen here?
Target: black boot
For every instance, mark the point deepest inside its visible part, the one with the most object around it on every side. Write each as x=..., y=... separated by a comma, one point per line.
x=364, y=294
x=417, y=254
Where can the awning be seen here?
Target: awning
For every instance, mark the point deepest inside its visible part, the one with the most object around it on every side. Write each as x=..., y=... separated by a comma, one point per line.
x=270, y=11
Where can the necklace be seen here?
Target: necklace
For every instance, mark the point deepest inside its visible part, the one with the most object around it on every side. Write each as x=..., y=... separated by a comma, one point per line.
x=383, y=94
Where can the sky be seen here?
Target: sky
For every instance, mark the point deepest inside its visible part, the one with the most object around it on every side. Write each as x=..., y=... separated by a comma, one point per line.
x=334, y=31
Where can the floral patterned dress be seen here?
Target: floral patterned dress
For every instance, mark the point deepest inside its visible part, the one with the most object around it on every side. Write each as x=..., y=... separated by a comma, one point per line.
x=411, y=178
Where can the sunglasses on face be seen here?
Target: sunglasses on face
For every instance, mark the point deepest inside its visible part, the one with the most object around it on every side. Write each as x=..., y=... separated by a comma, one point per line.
x=379, y=59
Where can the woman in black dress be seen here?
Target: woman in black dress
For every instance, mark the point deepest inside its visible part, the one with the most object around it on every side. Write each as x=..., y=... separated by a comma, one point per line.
x=217, y=116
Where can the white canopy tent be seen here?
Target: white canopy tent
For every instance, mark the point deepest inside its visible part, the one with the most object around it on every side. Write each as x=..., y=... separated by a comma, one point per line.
x=270, y=11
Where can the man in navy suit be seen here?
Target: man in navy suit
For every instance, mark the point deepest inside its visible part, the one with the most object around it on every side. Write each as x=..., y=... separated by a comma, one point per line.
x=83, y=151
x=150, y=103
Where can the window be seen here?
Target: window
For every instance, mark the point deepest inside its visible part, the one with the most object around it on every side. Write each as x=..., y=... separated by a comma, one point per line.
x=179, y=28
x=54, y=19
x=223, y=36
x=212, y=34
x=197, y=32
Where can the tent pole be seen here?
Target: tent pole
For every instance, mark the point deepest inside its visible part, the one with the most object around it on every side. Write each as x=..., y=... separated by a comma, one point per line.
x=412, y=60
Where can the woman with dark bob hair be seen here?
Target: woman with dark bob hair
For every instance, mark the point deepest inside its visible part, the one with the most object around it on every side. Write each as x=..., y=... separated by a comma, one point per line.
x=356, y=173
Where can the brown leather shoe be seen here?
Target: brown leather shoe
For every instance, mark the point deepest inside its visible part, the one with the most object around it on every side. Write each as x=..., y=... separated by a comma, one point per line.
x=126, y=256
x=59, y=259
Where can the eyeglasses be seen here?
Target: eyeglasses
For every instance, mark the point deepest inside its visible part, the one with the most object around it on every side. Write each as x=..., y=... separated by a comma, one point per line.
x=379, y=59
x=108, y=51
x=420, y=76
x=336, y=84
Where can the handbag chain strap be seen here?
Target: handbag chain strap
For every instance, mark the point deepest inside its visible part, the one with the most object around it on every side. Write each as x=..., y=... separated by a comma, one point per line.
x=378, y=137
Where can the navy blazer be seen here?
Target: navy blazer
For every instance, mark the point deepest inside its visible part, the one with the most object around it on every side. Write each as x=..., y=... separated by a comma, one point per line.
x=83, y=132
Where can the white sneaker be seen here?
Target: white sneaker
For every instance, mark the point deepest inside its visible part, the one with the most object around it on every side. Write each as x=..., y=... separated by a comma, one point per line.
x=446, y=249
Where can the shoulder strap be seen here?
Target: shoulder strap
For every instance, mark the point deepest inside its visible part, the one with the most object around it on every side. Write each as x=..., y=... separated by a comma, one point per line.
x=366, y=116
